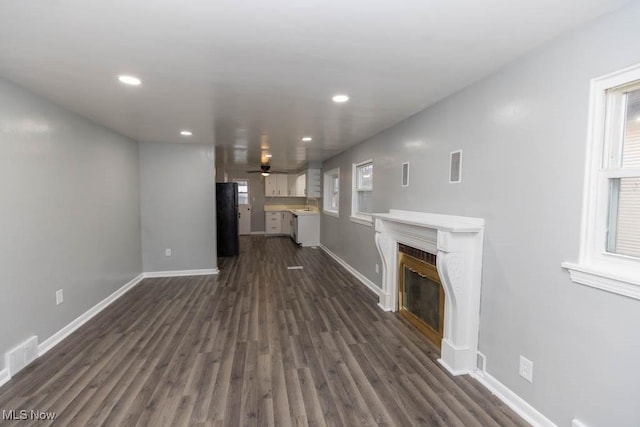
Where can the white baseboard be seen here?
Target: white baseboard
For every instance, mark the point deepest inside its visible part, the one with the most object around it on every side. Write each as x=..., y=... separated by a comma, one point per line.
x=4, y=377
x=53, y=340
x=512, y=400
x=368, y=283
x=257, y=233
x=180, y=273
x=56, y=338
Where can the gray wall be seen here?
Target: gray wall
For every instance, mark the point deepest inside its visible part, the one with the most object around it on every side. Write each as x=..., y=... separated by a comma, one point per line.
x=256, y=195
x=523, y=136
x=70, y=215
x=177, y=206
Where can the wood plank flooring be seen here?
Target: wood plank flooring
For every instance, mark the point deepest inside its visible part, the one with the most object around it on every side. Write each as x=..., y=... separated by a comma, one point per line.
x=257, y=345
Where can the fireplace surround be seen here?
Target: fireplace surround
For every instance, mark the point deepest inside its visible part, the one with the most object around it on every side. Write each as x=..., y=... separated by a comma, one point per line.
x=457, y=243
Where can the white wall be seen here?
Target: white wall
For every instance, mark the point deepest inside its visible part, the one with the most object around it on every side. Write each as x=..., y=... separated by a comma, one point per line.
x=523, y=136
x=69, y=215
x=178, y=206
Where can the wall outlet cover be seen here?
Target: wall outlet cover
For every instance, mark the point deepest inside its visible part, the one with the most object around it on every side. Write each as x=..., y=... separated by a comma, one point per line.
x=167, y=252
x=526, y=369
x=59, y=297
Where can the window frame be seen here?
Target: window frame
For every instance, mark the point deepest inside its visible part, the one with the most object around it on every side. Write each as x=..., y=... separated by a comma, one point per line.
x=356, y=216
x=328, y=191
x=596, y=267
x=248, y=193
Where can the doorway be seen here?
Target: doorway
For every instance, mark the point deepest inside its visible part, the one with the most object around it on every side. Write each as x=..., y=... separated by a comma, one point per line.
x=244, y=208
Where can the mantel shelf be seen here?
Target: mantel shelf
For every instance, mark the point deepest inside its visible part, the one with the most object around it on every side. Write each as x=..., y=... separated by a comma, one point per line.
x=454, y=224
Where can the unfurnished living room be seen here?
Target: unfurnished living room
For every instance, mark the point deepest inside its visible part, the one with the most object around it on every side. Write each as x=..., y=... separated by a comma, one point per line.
x=323, y=213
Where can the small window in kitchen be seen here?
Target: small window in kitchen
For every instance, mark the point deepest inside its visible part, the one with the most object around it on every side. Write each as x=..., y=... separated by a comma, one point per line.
x=243, y=191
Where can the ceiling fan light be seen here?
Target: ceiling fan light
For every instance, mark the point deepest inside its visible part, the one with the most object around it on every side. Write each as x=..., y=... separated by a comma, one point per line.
x=265, y=173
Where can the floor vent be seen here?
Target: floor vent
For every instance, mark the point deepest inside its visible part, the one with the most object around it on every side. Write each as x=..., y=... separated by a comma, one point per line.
x=295, y=267
x=19, y=357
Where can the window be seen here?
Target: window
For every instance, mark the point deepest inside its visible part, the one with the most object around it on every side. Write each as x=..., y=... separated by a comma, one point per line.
x=331, y=197
x=610, y=244
x=243, y=191
x=362, y=195
x=623, y=224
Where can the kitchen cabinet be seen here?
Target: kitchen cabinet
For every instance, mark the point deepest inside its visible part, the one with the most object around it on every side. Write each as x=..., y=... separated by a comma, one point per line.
x=272, y=223
x=293, y=190
x=276, y=185
x=287, y=223
x=307, y=232
x=301, y=185
x=304, y=184
x=297, y=185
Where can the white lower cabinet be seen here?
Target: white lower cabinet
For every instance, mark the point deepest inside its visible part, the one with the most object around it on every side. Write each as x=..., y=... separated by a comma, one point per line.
x=307, y=232
x=304, y=229
x=272, y=223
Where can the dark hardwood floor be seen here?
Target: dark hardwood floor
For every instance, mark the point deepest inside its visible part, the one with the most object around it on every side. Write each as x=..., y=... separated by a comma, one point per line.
x=256, y=345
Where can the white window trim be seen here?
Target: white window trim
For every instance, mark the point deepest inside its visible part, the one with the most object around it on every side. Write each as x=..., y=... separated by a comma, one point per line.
x=330, y=175
x=597, y=268
x=358, y=217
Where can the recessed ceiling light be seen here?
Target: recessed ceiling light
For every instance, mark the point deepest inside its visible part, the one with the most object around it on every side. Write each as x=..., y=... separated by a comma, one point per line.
x=340, y=98
x=268, y=156
x=186, y=133
x=307, y=138
x=130, y=80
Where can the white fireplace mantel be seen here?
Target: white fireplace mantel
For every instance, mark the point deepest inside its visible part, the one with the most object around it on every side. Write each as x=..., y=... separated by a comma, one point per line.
x=457, y=241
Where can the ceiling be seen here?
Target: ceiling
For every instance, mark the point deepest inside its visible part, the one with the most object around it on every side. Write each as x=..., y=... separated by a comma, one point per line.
x=251, y=75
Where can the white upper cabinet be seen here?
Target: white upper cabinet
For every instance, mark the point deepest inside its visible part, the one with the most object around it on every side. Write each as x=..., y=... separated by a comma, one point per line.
x=292, y=185
x=276, y=185
x=301, y=185
x=305, y=184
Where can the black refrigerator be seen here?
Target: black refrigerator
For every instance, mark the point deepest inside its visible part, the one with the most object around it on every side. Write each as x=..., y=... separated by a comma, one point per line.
x=227, y=218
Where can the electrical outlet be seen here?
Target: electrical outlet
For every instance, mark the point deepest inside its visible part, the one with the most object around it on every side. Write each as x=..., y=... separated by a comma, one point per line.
x=59, y=297
x=167, y=252
x=377, y=268
x=526, y=369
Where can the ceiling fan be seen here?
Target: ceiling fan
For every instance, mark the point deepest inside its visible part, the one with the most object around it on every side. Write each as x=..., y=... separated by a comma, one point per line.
x=265, y=170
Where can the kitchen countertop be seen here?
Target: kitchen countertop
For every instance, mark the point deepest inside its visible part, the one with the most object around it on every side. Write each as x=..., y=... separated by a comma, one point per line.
x=294, y=209
x=303, y=212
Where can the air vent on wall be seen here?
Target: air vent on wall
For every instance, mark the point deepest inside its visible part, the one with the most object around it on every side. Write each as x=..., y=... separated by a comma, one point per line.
x=405, y=175
x=455, y=169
